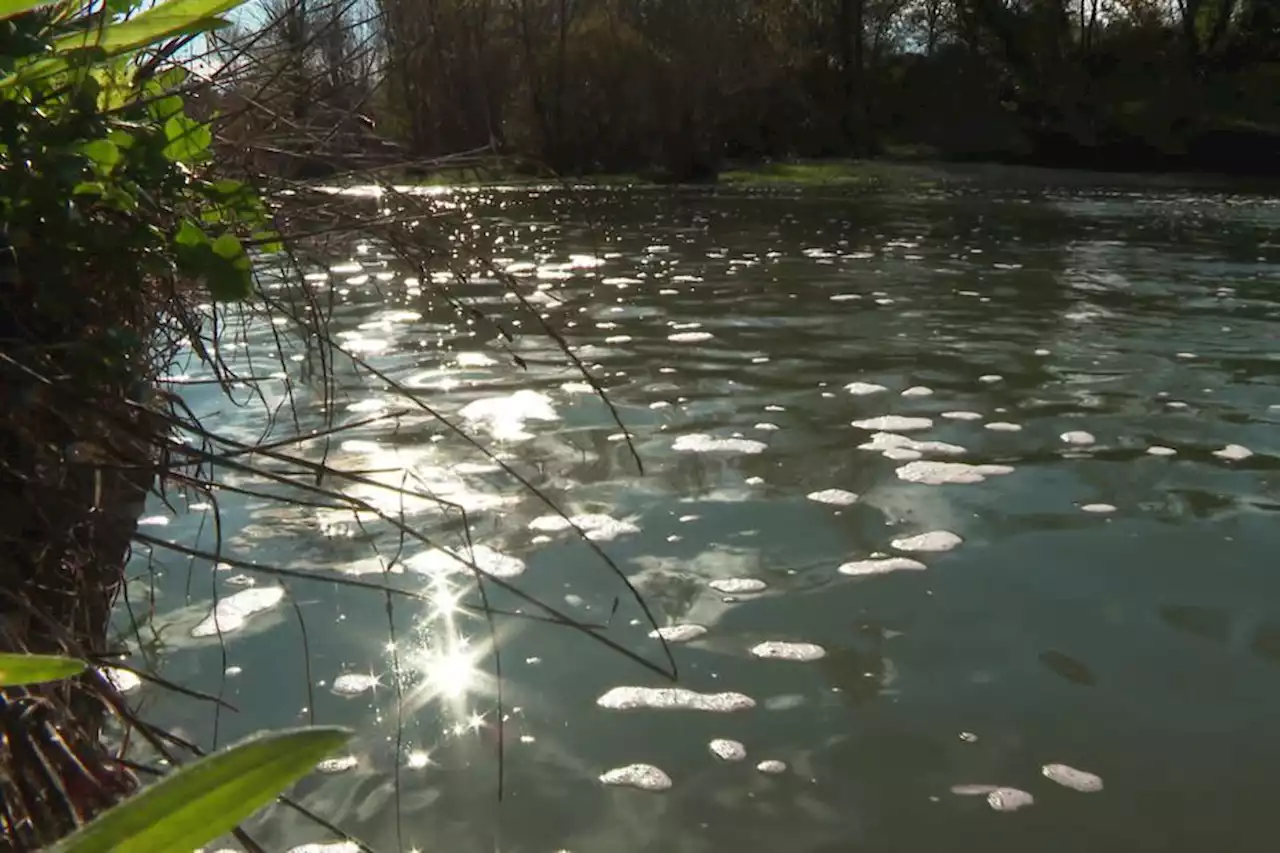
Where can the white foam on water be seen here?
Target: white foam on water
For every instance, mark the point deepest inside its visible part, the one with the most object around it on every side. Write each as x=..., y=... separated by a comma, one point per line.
x=1009, y=799
x=447, y=560
x=122, y=679
x=766, y=427
x=354, y=683
x=990, y=378
x=949, y=473
x=1003, y=426
x=1042, y=352
x=682, y=633
x=835, y=497
x=618, y=339
x=1073, y=778
x=325, y=847
x=893, y=423
x=1098, y=508
x=861, y=389
x=598, y=527
x=892, y=446
x=507, y=415
x=962, y=416
x=772, y=766
x=785, y=650
x=737, y=585
x=918, y=391
x=973, y=789
x=1078, y=437
x=645, y=777
x=933, y=541
x=880, y=566
x=1233, y=452
x=233, y=612
x=674, y=699
x=689, y=337
x=1161, y=450
x=727, y=750
x=341, y=764
x=474, y=359
x=577, y=388
x=702, y=443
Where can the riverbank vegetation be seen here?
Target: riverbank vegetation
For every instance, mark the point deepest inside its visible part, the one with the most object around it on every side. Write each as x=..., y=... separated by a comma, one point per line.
x=678, y=90
x=150, y=213
x=114, y=232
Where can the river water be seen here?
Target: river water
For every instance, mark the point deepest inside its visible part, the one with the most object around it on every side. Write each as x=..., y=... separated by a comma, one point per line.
x=1085, y=654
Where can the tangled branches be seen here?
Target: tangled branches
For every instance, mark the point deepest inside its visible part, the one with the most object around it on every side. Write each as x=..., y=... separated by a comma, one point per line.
x=124, y=211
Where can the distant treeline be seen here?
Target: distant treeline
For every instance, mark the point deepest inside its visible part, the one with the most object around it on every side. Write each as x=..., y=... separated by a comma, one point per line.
x=680, y=87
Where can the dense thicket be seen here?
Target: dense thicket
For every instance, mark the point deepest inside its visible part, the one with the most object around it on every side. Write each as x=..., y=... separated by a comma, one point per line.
x=682, y=85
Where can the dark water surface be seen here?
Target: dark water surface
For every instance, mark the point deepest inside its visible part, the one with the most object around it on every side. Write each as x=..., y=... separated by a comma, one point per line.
x=1137, y=640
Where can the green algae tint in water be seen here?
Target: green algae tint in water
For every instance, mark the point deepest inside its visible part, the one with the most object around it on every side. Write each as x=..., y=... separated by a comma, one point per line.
x=962, y=502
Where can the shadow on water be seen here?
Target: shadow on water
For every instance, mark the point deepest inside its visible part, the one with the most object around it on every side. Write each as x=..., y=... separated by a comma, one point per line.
x=1110, y=605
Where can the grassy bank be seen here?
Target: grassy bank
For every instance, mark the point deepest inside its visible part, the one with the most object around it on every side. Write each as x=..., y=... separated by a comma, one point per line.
x=886, y=174
x=799, y=173
x=474, y=176
x=865, y=174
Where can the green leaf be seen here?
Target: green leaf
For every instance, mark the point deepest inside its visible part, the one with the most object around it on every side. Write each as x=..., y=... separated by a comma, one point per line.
x=121, y=138
x=268, y=242
x=160, y=22
x=121, y=198
x=115, y=82
x=163, y=109
x=103, y=152
x=223, y=263
x=9, y=8
x=86, y=55
x=230, y=275
x=189, y=234
x=189, y=140
x=121, y=7
x=226, y=189
x=16, y=670
x=228, y=246
x=207, y=798
x=169, y=79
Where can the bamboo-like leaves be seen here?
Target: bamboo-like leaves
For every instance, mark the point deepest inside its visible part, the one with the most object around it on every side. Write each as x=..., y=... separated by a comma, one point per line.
x=207, y=798
x=16, y=670
x=160, y=22
x=9, y=8
x=116, y=37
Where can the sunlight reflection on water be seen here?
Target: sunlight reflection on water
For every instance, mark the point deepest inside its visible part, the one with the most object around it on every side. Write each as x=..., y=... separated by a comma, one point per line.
x=791, y=368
